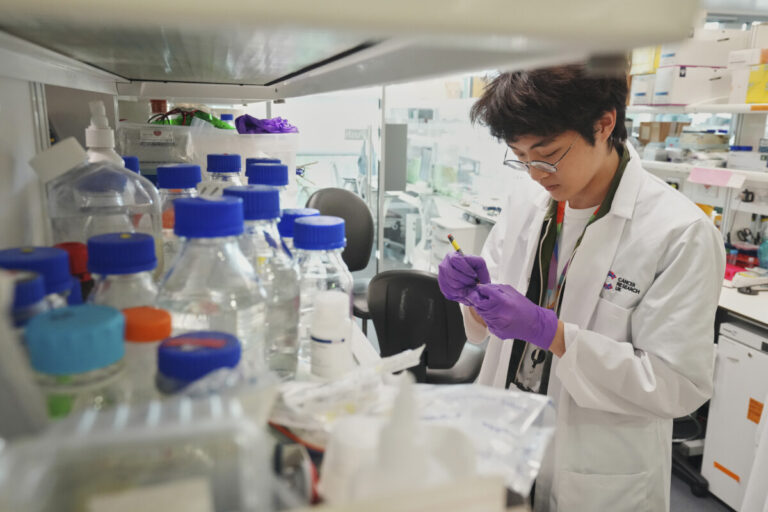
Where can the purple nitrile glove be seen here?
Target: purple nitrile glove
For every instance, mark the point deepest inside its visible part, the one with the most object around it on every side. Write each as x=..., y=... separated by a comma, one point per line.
x=249, y=124
x=511, y=315
x=458, y=275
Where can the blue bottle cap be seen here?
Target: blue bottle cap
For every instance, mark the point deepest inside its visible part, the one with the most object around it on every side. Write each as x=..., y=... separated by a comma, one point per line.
x=121, y=253
x=191, y=356
x=249, y=161
x=132, y=163
x=275, y=175
x=75, y=339
x=178, y=176
x=223, y=163
x=289, y=217
x=208, y=217
x=50, y=262
x=227, y=117
x=259, y=201
x=29, y=288
x=320, y=233
x=75, y=296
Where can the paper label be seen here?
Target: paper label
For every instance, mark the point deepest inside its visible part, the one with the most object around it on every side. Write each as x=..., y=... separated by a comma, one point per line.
x=156, y=136
x=189, y=495
x=715, y=177
x=755, y=410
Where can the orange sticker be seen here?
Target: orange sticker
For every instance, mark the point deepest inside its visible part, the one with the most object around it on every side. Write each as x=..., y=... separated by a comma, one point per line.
x=169, y=218
x=727, y=471
x=755, y=410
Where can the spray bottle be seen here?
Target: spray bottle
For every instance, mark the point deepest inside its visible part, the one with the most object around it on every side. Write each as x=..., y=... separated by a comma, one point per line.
x=100, y=138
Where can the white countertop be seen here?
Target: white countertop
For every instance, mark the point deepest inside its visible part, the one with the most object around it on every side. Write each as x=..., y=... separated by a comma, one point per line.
x=754, y=307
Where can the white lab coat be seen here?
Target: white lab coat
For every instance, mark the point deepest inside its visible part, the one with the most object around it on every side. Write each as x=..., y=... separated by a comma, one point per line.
x=638, y=352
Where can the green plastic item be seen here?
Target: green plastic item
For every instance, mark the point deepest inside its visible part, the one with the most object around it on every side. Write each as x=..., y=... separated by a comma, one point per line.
x=186, y=120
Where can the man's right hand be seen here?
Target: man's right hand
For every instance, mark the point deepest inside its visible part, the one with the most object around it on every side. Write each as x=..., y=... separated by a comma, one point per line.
x=458, y=275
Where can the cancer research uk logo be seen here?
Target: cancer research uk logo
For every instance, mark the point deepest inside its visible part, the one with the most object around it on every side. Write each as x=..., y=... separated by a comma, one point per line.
x=618, y=284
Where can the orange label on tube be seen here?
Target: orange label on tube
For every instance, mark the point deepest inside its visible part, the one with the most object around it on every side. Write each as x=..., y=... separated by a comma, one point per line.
x=755, y=410
x=727, y=471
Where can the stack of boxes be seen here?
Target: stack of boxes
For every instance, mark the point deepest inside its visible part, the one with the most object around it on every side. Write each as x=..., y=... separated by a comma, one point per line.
x=714, y=66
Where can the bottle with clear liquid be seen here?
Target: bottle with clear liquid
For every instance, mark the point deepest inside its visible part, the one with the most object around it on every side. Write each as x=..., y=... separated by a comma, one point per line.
x=145, y=329
x=122, y=265
x=271, y=174
x=277, y=271
x=287, y=220
x=174, y=182
x=212, y=286
x=223, y=172
x=319, y=241
x=88, y=199
x=50, y=262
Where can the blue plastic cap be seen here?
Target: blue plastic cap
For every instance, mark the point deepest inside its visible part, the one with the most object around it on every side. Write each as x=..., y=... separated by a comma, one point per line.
x=121, y=253
x=259, y=201
x=191, y=356
x=320, y=233
x=178, y=176
x=227, y=117
x=741, y=148
x=200, y=217
x=249, y=161
x=132, y=163
x=289, y=217
x=275, y=175
x=75, y=339
x=50, y=262
x=75, y=296
x=29, y=288
x=223, y=163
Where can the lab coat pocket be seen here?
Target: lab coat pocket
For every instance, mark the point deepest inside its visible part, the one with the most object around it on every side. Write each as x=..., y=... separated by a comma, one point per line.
x=581, y=492
x=612, y=321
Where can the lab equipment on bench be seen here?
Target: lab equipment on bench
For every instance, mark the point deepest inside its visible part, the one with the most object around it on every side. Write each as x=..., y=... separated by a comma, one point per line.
x=277, y=272
x=330, y=335
x=211, y=285
x=77, y=355
x=287, y=219
x=51, y=263
x=122, y=264
x=174, y=182
x=740, y=386
x=132, y=164
x=319, y=241
x=145, y=329
x=100, y=139
x=28, y=297
x=223, y=171
x=274, y=175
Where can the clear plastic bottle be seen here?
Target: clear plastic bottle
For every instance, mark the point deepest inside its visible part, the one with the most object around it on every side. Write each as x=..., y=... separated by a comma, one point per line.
x=319, y=241
x=76, y=353
x=287, y=220
x=174, y=182
x=212, y=286
x=122, y=265
x=330, y=334
x=99, y=136
x=261, y=160
x=50, y=262
x=183, y=359
x=89, y=199
x=28, y=297
x=145, y=329
x=277, y=271
x=223, y=172
x=271, y=174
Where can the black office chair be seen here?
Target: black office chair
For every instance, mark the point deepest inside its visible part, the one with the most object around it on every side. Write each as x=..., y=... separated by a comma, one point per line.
x=359, y=231
x=408, y=310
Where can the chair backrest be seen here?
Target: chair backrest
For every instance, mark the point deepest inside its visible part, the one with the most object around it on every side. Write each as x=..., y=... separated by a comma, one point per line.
x=357, y=219
x=408, y=310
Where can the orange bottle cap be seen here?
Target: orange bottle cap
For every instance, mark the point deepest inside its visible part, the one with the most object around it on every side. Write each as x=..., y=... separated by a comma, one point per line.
x=145, y=324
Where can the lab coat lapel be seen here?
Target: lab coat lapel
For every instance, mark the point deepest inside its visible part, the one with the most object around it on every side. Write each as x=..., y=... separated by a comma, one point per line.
x=532, y=243
x=592, y=262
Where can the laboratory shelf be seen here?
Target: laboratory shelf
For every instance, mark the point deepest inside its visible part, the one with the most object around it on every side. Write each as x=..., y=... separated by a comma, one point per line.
x=249, y=50
x=685, y=169
x=702, y=108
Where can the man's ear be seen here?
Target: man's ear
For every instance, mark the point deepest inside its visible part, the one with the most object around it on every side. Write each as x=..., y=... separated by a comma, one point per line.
x=605, y=125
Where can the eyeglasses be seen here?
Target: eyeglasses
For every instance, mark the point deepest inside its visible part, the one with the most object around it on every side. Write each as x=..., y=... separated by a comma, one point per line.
x=519, y=165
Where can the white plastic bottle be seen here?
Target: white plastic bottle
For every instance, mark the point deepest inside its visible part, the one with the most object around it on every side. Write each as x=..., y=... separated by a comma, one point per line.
x=287, y=220
x=277, y=271
x=145, y=329
x=50, y=262
x=223, y=172
x=100, y=138
x=174, y=182
x=211, y=285
x=122, y=265
x=330, y=354
x=319, y=242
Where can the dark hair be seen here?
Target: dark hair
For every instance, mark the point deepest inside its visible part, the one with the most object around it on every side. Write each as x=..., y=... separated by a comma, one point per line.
x=550, y=101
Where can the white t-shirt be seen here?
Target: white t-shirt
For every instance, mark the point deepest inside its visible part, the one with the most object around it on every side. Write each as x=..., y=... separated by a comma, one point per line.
x=574, y=222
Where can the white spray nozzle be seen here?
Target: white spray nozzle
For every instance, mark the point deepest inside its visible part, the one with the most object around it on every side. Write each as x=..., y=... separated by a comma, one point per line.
x=99, y=134
x=98, y=115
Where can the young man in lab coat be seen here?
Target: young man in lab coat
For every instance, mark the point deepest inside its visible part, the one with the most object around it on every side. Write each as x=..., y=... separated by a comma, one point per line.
x=598, y=288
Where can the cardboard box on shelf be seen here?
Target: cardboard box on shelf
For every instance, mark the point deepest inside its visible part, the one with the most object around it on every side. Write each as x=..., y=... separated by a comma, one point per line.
x=641, y=91
x=757, y=88
x=658, y=131
x=750, y=57
x=688, y=85
x=706, y=48
x=645, y=60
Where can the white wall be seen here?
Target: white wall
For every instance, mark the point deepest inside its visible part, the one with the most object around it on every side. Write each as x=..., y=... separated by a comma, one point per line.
x=68, y=112
x=21, y=218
